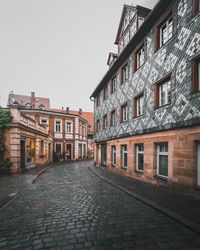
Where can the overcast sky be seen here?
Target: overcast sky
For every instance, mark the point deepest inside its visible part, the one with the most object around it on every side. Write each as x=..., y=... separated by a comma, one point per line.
x=57, y=48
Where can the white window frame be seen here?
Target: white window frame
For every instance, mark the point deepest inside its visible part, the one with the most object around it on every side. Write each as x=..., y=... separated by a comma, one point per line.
x=140, y=106
x=164, y=89
x=105, y=121
x=123, y=152
x=125, y=113
x=113, y=155
x=169, y=33
x=113, y=117
x=69, y=128
x=114, y=84
x=125, y=72
x=139, y=152
x=160, y=153
x=55, y=126
x=140, y=57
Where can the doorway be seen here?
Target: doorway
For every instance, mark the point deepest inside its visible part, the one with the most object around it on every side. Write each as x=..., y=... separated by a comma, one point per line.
x=69, y=151
x=103, y=154
x=23, y=153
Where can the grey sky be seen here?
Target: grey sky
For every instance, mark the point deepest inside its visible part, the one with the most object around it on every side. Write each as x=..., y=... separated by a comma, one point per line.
x=57, y=48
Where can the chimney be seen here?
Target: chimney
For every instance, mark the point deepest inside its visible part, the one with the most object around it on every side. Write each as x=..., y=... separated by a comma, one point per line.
x=67, y=110
x=33, y=100
x=80, y=112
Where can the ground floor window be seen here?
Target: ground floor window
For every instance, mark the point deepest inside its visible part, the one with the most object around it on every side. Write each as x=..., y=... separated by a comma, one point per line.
x=140, y=157
x=58, y=149
x=30, y=156
x=103, y=154
x=80, y=150
x=162, y=159
x=124, y=154
x=113, y=155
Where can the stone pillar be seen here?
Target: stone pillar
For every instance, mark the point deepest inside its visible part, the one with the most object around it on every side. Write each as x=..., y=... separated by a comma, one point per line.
x=14, y=149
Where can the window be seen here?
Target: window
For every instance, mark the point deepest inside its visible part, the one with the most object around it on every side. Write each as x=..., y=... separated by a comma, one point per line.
x=113, y=85
x=69, y=127
x=42, y=107
x=163, y=31
x=124, y=154
x=124, y=73
x=140, y=57
x=28, y=105
x=195, y=7
x=42, y=147
x=133, y=28
x=97, y=125
x=105, y=92
x=103, y=154
x=44, y=121
x=139, y=105
x=58, y=149
x=140, y=21
x=126, y=38
x=166, y=31
x=113, y=155
x=196, y=74
x=58, y=126
x=121, y=46
x=80, y=129
x=97, y=100
x=162, y=160
x=113, y=118
x=124, y=113
x=105, y=122
x=140, y=157
x=163, y=92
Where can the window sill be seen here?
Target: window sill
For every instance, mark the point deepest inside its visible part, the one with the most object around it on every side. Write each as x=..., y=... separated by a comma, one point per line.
x=161, y=178
x=124, y=168
x=164, y=106
x=139, y=171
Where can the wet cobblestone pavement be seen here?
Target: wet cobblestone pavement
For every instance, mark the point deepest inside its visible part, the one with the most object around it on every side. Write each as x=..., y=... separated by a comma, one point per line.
x=68, y=207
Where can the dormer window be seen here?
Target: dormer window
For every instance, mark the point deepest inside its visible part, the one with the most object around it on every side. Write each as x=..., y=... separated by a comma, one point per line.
x=140, y=21
x=42, y=107
x=28, y=105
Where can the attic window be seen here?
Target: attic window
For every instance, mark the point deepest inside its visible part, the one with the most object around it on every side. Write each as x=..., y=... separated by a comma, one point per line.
x=28, y=105
x=140, y=21
x=42, y=107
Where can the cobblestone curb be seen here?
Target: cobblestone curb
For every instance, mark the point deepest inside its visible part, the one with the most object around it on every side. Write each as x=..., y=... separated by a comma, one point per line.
x=189, y=224
x=17, y=193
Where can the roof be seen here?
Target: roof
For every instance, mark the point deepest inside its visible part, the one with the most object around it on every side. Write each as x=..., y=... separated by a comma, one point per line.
x=24, y=99
x=111, y=56
x=137, y=8
x=147, y=25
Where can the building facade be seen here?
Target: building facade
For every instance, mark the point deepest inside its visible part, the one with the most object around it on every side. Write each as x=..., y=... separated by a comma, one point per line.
x=71, y=131
x=147, y=106
x=27, y=142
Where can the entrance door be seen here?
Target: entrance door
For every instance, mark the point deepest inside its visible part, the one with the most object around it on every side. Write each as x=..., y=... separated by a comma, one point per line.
x=23, y=153
x=69, y=151
x=198, y=165
x=49, y=151
x=103, y=154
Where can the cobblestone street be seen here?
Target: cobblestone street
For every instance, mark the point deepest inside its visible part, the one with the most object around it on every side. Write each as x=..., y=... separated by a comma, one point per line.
x=68, y=207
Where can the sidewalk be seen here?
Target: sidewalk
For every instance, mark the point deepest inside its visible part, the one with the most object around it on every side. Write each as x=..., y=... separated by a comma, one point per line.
x=11, y=185
x=180, y=207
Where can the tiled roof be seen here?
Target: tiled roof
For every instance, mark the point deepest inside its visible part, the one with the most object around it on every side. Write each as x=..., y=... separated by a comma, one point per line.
x=23, y=100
